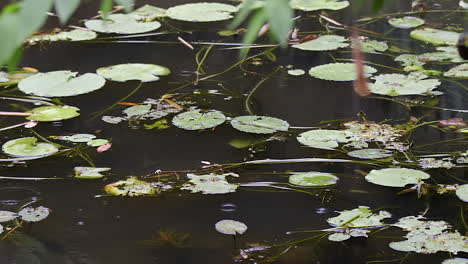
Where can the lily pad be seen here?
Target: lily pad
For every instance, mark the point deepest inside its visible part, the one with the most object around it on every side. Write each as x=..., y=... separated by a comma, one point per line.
x=61, y=84
x=323, y=138
x=296, y=72
x=230, y=227
x=133, y=71
x=27, y=147
x=400, y=84
x=30, y=214
x=396, y=177
x=325, y=42
x=51, y=113
x=137, y=110
x=89, y=172
x=436, y=36
x=210, y=183
x=6, y=216
x=112, y=119
x=121, y=24
x=370, y=153
x=373, y=46
x=358, y=217
x=339, y=71
x=202, y=12
x=313, y=179
x=338, y=237
x=130, y=187
x=73, y=35
x=462, y=192
x=455, y=260
x=97, y=142
x=148, y=13
x=4, y=77
x=259, y=124
x=312, y=5
x=460, y=71
x=78, y=138
x=198, y=119
x=406, y=22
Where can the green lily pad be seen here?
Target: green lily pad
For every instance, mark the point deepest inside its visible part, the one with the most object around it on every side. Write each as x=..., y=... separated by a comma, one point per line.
x=133, y=71
x=202, y=12
x=210, y=183
x=148, y=13
x=462, y=192
x=130, y=187
x=460, y=71
x=137, y=110
x=230, y=227
x=259, y=124
x=339, y=71
x=61, y=83
x=442, y=54
x=312, y=5
x=198, y=119
x=27, y=147
x=400, y=84
x=455, y=260
x=370, y=153
x=121, y=24
x=396, y=177
x=6, y=216
x=296, y=72
x=51, y=113
x=406, y=22
x=78, y=138
x=89, y=172
x=411, y=62
x=373, y=46
x=97, y=142
x=325, y=42
x=313, y=179
x=112, y=119
x=358, y=217
x=435, y=36
x=338, y=237
x=72, y=35
x=30, y=214
x=323, y=138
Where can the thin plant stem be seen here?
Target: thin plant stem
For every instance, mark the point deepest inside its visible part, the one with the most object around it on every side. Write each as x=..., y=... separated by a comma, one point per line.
x=251, y=93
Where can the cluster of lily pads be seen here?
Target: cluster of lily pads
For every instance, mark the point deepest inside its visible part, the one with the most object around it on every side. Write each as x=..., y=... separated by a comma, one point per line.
x=28, y=214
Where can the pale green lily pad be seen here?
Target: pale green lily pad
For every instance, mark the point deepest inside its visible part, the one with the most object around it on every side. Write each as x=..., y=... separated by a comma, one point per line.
x=396, y=177
x=4, y=77
x=137, y=110
x=370, y=153
x=121, y=24
x=436, y=36
x=296, y=72
x=210, y=183
x=30, y=214
x=198, y=119
x=112, y=119
x=61, y=84
x=460, y=71
x=6, y=216
x=462, y=192
x=130, y=187
x=78, y=138
x=202, y=12
x=312, y=5
x=399, y=84
x=339, y=71
x=325, y=42
x=259, y=124
x=455, y=260
x=89, y=172
x=73, y=35
x=323, y=138
x=230, y=227
x=51, y=113
x=411, y=62
x=358, y=217
x=148, y=13
x=313, y=179
x=133, y=71
x=373, y=46
x=97, y=142
x=406, y=22
x=27, y=147
x=338, y=237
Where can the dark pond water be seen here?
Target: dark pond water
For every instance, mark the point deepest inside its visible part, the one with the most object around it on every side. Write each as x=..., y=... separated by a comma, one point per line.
x=84, y=229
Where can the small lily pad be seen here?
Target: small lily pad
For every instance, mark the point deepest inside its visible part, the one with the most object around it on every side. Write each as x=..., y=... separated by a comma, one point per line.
x=338, y=237
x=358, y=217
x=130, y=187
x=89, y=172
x=460, y=71
x=259, y=124
x=148, y=13
x=51, y=113
x=112, y=119
x=455, y=260
x=78, y=138
x=97, y=142
x=373, y=46
x=133, y=71
x=61, y=84
x=198, y=119
x=462, y=192
x=312, y=5
x=406, y=22
x=296, y=72
x=436, y=36
x=325, y=42
x=230, y=227
x=72, y=35
x=400, y=84
x=137, y=110
x=396, y=177
x=370, y=153
x=313, y=179
x=323, y=138
x=339, y=71
x=202, y=12
x=27, y=147
x=6, y=216
x=121, y=24
x=210, y=183
x=30, y=214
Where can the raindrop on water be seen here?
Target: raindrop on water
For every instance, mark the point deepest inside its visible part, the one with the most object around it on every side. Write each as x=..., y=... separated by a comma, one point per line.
x=321, y=210
x=228, y=207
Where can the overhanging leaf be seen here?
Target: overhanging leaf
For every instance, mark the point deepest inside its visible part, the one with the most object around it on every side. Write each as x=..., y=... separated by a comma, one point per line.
x=280, y=22
x=65, y=8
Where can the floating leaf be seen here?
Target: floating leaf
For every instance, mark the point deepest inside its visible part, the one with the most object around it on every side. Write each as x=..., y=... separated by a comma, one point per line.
x=400, y=84
x=73, y=35
x=338, y=71
x=61, y=83
x=198, y=119
x=53, y=113
x=338, y=237
x=358, y=217
x=133, y=71
x=370, y=153
x=97, y=142
x=121, y=24
x=396, y=177
x=313, y=179
x=312, y=5
x=6, y=216
x=137, y=110
x=296, y=72
x=373, y=46
x=323, y=138
x=460, y=71
x=406, y=22
x=210, y=183
x=202, y=12
x=89, y=172
x=27, y=147
x=112, y=119
x=456, y=260
x=30, y=214
x=230, y=227
x=259, y=124
x=4, y=77
x=130, y=187
x=435, y=36
x=325, y=42
x=148, y=13
x=78, y=138
x=462, y=192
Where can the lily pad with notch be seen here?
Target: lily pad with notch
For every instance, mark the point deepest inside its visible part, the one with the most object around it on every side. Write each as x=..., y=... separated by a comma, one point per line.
x=72, y=35
x=31, y=214
x=28, y=147
x=90, y=173
x=259, y=124
x=436, y=36
x=406, y=22
x=312, y=5
x=399, y=84
x=313, y=179
x=339, y=71
x=133, y=71
x=201, y=12
x=396, y=177
x=323, y=138
x=198, y=119
x=324, y=42
x=121, y=24
x=230, y=227
x=52, y=113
